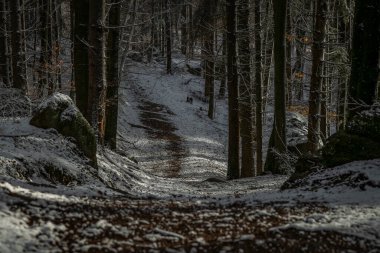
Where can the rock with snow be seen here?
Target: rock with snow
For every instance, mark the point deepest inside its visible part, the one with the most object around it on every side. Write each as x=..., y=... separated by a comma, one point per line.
x=305, y=165
x=366, y=124
x=60, y=113
x=344, y=147
x=359, y=175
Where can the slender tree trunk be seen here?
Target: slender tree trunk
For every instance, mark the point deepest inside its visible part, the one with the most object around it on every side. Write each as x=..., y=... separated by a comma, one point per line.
x=223, y=81
x=43, y=69
x=184, y=29
x=273, y=162
x=18, y=71
x=80, y=67
x=246, y=91
x=365, y=55
x=72, y=38
x=289, y=39
x=313, y=135
x=258, y=90
x=168, y=36
x=233, y=170
x=4, y=68
x=209, y=72
x=112, y=75
x=96, y=71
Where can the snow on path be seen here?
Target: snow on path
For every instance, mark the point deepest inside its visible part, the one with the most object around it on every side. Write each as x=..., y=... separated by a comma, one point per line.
x=202, y=153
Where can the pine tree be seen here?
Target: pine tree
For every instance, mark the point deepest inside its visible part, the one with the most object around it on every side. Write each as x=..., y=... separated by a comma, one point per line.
x=113, y=78
x=80, y=66
x=96, y=68
x=277, y=143
x=316, y=75
x=258, y=89
x=4, y=62
x=233, y=92
x=18, y=66
x=246, y=91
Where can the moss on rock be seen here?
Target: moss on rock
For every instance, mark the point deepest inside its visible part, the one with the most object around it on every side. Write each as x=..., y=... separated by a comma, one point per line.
x=343, y=148
x=60, y=113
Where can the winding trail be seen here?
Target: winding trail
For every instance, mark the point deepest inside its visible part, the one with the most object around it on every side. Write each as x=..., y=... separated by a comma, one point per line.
x=157, y=124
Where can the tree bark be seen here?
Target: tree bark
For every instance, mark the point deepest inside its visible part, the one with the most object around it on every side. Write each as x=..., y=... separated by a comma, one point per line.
x=4, y=61
x=168, y=36
x=279, y=146
x=112, y=75
x=96, y=71
x=258, y=90
x=233, y=170
x=18, y=70
x=246, y=91
x=313, y=134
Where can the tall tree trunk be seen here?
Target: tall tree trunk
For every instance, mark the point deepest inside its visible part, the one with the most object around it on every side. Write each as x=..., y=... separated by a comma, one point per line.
x=80, y=66
x=184, y=29
x=96, y=70
x=289, y=39
x=72, y=38
x=112, y=74
x=279, y=147
x=233, y=170
x=313, y=135
x=223, y=81
x=365, y=55
x=43, y=69
x=209, y=73
x=258, y=90
x=168, y=28
x=246, y=91
x=18, y=70
x=4, y=67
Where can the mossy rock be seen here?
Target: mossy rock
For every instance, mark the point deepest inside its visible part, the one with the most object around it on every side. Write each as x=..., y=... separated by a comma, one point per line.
x=306, y=164
x=60, y=113
x=366, y=123
x=343, y=148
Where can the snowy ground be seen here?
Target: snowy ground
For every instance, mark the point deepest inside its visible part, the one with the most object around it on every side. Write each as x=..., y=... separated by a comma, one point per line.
x=175, y=199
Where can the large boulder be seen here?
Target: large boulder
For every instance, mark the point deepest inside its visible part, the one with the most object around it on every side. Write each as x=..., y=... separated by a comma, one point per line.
x=366, y=124
x=59, y=112
x=360, y=141
x=344, y=147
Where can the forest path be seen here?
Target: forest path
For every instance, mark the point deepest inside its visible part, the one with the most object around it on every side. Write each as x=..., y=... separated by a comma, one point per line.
x=155, y=119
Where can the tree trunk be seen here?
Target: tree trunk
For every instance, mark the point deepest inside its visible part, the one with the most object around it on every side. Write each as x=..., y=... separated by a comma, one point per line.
x=80, y=66
x=184, y=29
x=168, y=36
x=43, y=68
x=96, y=71
x=246, y=91
x=4, y=61
x=279, y=147
x=233, y=170
x=223, y=81
x=289, y=39
x=209, y=72
x=258, y=90
x=365, y=55
x=313, y=136
x=112, y=75
x=18, y=70
x=72, y=38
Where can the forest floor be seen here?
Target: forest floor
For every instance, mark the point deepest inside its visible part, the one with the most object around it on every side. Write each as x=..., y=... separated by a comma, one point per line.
x=175, y=199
